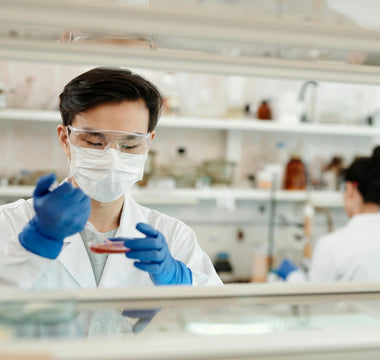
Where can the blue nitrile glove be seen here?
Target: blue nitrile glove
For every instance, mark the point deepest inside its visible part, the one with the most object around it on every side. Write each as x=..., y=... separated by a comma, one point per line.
x=144, y=317
x=285, y=268
x=155, y=258
x=59, y=213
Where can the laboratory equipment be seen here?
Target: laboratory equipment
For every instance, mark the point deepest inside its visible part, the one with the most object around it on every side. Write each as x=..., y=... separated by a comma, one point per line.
x=184, y=171
x=220, y=171
x=101, y=245
x=295, y=174
x=264, y=112
x=308, y=113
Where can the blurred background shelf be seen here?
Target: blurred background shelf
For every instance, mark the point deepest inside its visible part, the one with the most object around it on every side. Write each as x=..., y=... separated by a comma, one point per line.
x=30, y=115
x=310, y=40
x=192, y=196
x=215, y=124
x=268, y=126
x=317, y=198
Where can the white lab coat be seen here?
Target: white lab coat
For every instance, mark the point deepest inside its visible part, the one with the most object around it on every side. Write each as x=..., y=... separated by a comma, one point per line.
x=72, y=269
x=351, y=253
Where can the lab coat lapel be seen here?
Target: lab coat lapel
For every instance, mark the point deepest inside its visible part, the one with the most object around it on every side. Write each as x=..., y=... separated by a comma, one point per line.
x=119, y=267
x=75, y=259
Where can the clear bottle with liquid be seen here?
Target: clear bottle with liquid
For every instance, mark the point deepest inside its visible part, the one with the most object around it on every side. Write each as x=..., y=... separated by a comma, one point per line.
x=184, y=171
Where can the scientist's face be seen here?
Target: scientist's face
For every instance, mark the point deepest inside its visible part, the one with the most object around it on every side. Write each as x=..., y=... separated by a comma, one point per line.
x=131, y=116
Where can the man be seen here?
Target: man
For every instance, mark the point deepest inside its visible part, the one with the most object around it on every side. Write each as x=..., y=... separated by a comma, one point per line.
x=109, y=117
x=349, y=254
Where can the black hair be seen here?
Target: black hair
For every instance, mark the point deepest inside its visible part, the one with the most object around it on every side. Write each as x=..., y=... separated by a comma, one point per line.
x=365, y=171
x=104, y=86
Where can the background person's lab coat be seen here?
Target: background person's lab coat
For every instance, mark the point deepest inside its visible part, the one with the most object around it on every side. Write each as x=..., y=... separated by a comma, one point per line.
x=351, y=253
x=72, y=269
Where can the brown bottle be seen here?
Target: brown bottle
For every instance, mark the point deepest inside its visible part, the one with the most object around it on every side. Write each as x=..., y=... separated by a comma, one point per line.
x=264, y=112
x=295, y=174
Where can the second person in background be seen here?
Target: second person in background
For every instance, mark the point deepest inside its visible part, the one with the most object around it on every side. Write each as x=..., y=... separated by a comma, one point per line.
x=351, y=253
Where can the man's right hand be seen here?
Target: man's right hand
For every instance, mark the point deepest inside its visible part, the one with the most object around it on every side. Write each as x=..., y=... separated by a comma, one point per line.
x=59, y=213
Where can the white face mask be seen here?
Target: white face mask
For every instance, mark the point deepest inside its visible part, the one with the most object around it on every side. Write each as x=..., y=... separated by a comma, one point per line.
x=105, y=175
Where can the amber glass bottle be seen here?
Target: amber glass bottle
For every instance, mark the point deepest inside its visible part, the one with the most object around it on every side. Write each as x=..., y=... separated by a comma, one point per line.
x=264, y=112
x=295, y=174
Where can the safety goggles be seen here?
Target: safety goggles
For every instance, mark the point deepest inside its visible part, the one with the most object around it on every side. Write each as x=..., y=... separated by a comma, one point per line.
x=124, y=141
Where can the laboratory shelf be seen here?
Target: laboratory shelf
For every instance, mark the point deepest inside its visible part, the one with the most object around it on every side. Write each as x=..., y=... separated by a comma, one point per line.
x=30, y=115
x=215, y=124
x=269, y=126
x=193, y=36
x=193, y=196
x=316, y=198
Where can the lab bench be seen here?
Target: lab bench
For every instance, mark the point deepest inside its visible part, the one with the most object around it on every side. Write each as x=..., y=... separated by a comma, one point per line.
x=267, y=321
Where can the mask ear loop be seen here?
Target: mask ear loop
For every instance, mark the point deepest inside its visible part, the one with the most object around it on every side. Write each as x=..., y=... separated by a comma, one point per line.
x=69, y=178
x=68, y=135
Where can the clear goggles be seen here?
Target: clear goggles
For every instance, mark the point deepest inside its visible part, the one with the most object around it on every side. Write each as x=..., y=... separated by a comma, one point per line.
x=124, y=141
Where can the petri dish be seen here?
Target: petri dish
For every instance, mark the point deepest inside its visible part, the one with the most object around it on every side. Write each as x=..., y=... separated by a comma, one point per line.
x=107, y=247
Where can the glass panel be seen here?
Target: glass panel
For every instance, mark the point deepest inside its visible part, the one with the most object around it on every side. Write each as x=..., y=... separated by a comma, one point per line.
x=205, y=317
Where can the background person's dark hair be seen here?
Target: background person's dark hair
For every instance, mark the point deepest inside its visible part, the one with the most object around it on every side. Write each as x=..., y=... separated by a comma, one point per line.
x=103, y=85
x=366, y=172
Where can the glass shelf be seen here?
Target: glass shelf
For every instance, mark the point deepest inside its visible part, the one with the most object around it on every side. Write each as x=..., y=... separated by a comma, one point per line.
x=237, y=321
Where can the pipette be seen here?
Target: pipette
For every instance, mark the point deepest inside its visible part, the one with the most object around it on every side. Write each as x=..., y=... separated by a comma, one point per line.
x=98, y=243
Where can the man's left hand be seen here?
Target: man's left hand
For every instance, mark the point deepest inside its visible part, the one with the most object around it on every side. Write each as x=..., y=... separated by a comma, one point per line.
x=154, y=256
